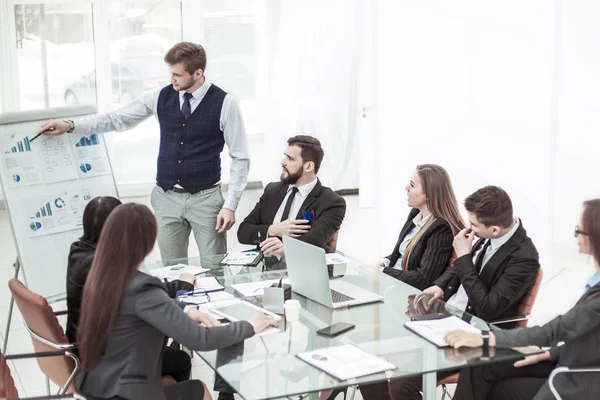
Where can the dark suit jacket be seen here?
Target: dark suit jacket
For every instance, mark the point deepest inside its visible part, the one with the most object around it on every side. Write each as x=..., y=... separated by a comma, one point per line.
x=579, y=328
x=130, y=366
x=430, y=256
x=329, y=208
x=81, y=256
x=504, y=280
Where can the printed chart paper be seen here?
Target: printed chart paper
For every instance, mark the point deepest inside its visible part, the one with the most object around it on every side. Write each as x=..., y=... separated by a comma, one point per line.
x=20, y=162
x=58, y=162
x=92, y=160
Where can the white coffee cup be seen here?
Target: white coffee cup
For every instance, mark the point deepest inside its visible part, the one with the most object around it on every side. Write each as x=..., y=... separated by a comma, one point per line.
x=292, y=310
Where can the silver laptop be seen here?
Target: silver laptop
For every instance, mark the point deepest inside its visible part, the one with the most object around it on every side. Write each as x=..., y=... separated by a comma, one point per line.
x=307, y=270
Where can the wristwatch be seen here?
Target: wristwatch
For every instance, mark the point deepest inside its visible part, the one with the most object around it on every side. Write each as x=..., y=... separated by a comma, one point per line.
x=71, y=125
x=486, y=338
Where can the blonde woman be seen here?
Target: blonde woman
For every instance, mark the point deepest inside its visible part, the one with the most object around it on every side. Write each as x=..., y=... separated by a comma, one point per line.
x=424, y=247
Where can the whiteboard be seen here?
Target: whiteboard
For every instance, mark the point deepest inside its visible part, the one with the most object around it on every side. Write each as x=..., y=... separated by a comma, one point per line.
x=47, y=183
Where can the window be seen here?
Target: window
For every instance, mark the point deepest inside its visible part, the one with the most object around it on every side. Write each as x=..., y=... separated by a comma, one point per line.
x=54, y=54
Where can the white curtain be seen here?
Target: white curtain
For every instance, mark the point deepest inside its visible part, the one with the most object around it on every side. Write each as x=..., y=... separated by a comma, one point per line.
x=313, y=86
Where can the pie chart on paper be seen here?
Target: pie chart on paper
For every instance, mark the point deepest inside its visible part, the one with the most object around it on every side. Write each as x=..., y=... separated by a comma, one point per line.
x=16, y=178
x=59, y=203
x=85, y=168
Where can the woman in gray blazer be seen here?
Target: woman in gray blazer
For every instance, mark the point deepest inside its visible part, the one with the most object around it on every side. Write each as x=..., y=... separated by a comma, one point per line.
x=579, y=329
x=126, y=316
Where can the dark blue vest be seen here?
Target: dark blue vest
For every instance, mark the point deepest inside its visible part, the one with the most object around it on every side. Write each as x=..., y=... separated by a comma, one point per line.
x=190, y=151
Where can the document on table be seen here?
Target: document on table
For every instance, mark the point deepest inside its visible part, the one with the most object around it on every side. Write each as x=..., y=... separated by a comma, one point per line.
x=172, y=273
x=335, y=258
x=208, y=284
x=345, y=362
x=255, y=288
x=434, y=330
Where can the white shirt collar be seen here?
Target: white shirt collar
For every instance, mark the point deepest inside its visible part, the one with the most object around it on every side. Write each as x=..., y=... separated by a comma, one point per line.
x=497, y=242
x=304, y=190
x=419, y=221
x=199, y=93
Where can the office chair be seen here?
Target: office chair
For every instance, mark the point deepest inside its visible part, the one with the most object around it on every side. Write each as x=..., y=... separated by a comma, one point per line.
x=47, y=336
x=8, y=389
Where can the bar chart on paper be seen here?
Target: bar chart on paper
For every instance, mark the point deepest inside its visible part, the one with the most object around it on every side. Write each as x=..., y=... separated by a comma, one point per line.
x=88, y=141
x=21, y=146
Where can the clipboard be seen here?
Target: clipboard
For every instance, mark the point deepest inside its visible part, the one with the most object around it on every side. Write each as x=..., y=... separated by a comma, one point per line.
x=246, y=259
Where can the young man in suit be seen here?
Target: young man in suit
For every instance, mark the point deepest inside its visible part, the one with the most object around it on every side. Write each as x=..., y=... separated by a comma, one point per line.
x=298, y=206
x=490, y=278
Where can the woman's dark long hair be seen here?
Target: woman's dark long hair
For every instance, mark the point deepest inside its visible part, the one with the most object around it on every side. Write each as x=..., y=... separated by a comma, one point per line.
x=127, y=238
x=95, y=215
x=591, y=225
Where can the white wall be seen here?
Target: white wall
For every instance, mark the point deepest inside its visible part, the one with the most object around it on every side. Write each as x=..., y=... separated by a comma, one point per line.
x=467, y=85
x=578, y=139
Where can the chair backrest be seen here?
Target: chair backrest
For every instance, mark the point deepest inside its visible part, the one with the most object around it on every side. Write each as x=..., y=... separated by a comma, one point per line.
x=333, y=242
x=7, y=384
x=529, y=299
x=40, y=319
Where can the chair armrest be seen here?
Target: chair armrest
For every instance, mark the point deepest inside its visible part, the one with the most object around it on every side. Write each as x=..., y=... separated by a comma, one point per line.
x=561, y=370
x=60, y=312
x=58, y=346
x=509, y=320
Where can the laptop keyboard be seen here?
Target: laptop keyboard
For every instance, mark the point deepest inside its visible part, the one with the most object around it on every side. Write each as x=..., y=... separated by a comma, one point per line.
x=339, y=297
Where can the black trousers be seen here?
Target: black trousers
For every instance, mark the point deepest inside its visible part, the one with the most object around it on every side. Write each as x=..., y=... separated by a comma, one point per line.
x=176, y=363
x=188, y=390
x=398, y=389
x=502, y=381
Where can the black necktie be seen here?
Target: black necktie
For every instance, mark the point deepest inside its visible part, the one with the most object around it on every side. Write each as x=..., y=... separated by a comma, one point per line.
x=479, y=260
x=186, y=109
x=288, y=204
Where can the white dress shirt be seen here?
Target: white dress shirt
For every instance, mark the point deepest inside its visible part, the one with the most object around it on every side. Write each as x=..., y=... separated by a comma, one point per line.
x=460, y=298
x=299, y=198
x=419, y=222
x=231, y=121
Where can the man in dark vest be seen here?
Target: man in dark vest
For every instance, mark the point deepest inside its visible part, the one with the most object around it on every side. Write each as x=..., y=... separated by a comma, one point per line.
x=196, y=119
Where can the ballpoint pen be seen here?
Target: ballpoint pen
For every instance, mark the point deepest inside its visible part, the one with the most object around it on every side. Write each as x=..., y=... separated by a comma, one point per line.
x=38, y=135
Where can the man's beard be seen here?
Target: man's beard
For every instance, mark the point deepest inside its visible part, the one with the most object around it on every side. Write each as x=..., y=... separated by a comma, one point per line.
x=290, y=179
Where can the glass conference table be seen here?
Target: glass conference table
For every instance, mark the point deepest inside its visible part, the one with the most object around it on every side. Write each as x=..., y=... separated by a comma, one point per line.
x=265, y=367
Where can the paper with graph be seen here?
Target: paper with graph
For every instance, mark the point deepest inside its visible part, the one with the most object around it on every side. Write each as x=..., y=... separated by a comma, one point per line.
x=20, y=162
x=92, y=159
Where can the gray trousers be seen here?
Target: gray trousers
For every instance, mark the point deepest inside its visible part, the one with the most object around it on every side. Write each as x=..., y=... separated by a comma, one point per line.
x=178, y=214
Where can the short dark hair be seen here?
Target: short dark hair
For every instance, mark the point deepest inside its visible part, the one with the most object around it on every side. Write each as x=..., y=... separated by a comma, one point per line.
x=310, y=149
x=192, y=56
x=95, y=215
x=492, y=206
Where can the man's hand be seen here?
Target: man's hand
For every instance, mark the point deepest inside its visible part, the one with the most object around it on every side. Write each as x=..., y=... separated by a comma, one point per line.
x=429, y=296
x=463, y=242
x=260, y=322
x=272, y=247
x=54, y=127
x=533, y=359
x=187, y=277
x=202, y=318
x=225, y=220
x=461, y=338
x=289, y=227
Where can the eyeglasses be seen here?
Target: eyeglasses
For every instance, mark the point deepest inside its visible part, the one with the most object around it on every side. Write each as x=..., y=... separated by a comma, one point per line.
x=580, y=232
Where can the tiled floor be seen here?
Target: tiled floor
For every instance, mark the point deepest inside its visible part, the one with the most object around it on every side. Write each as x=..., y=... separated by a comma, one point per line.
x=557, y=295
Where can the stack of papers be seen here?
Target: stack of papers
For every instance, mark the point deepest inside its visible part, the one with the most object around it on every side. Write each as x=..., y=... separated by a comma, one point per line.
x=345, y=362
x=435, y=330
x=172, y=273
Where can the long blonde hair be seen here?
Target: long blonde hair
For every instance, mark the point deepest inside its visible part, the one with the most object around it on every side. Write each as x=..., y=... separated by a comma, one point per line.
x=441, y=202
